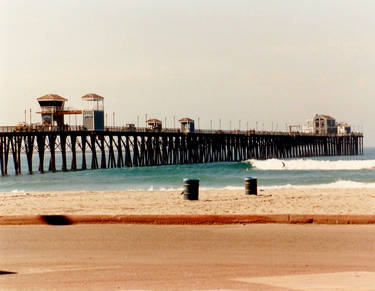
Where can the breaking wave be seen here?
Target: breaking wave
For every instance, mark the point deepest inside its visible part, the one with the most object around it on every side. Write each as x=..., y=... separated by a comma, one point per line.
x=309, y=164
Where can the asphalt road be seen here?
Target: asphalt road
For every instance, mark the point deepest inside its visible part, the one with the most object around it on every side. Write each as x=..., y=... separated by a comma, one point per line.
x=147, y=257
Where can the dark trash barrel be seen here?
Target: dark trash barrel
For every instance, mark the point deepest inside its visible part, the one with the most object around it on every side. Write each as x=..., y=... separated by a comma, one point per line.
x=251, y=186
x=191, y=189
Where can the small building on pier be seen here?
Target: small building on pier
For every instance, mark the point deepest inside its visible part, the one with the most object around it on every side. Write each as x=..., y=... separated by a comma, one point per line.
x=93, y=114
x=53, y=110
x=324, y=125
x=343, y=128
x=187, y=125
x=154, y=124
x=51, y=105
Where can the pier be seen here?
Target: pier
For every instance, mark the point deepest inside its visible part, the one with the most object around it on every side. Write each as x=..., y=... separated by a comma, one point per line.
x=95, y=145
x=118, y=147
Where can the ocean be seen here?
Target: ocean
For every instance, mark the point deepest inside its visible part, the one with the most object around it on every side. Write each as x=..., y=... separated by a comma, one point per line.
x=317, y=172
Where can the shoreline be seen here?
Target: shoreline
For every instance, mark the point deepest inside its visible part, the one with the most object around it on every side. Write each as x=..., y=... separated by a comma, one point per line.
x=313, y=201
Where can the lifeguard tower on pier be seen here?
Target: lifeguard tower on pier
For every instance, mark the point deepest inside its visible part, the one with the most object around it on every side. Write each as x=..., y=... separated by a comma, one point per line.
x=53, y=110
x=154, y=124
x=93, y=114
x=187, y=125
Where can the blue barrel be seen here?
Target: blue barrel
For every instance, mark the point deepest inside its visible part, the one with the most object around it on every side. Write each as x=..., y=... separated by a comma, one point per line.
x=191, y=189
x=251, y=186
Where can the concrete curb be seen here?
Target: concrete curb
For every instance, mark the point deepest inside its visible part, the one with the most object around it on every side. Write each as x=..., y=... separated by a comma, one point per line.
x=186, y=219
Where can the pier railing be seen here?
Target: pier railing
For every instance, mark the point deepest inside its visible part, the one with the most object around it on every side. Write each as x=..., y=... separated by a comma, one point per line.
x=71, y=128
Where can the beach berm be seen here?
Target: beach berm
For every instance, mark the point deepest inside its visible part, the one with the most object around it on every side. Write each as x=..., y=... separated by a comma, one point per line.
x=185, y=219
x=305, y=205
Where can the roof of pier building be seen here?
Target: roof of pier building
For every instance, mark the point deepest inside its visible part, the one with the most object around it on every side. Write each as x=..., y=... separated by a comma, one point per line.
x=186, y=119
x=324, y=116
x=153, y=121
x=52, y=97
x=92, y=97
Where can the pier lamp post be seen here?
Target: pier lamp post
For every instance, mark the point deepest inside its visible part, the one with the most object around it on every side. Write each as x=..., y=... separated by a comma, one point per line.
x=146, y=120
x=239, y=125
x=211, y=124
x=114, y=120
x=106, y=119
x=220, y=123
x=174, y=121
x=25, y=116
x=256, y=125
x=199, y=123
x=165, y=122
x=247, y=126
x=230, y=125
x=30, y=116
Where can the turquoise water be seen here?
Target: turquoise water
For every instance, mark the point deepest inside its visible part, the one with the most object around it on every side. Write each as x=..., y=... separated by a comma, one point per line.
x=348, y=171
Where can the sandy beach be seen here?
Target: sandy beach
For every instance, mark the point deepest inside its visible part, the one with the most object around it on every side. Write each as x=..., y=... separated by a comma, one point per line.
x=218, y=202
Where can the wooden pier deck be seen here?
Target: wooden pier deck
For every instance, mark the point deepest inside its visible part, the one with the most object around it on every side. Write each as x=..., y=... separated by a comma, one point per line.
x=120, y=148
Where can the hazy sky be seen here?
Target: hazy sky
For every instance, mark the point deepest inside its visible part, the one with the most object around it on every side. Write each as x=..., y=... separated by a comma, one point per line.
x=269, y=61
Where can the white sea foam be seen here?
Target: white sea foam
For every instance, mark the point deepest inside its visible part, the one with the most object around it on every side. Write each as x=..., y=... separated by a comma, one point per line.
x=339, y=184
x=17, y=191
x=233, y=187
x=170, y=189
x=309, y=164
x=154, y=188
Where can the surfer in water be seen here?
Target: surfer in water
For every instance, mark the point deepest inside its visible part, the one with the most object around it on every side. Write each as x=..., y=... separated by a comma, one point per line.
x=283, y=164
